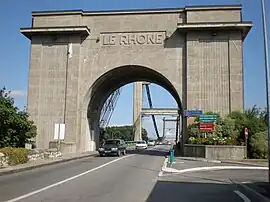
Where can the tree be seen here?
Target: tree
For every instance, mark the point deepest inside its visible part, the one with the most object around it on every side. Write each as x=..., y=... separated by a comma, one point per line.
x=15, y=127
x=259, y=145
x=122, y=132
x=144, y=134
x=228, y=127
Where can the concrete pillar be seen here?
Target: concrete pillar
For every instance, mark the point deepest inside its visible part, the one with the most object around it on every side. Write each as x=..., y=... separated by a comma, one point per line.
x=137, y=109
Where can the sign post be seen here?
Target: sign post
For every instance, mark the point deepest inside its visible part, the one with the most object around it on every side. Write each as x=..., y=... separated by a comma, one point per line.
x=246, y=138
x=171, y=156
x=59, y=133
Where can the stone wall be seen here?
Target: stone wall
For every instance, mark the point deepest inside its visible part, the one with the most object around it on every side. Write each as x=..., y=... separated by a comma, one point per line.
x=214, y=152
x=34, y=155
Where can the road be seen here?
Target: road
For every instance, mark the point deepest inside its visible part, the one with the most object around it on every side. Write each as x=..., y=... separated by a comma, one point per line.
x=130, y=178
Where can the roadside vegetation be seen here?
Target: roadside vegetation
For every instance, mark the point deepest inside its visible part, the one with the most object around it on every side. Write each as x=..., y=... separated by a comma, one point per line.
x=230, y=131
x=121, y=132
x=16, y=129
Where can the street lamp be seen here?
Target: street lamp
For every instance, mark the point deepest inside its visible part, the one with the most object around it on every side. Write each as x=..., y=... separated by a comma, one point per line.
x=266, y=78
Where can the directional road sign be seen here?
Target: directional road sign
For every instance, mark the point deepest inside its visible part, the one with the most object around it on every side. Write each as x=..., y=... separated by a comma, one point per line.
x=192, y=113
x=208, y=116
x=208, y=120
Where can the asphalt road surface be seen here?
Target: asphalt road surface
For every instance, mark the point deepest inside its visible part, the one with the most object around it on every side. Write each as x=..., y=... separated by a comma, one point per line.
x=131, y=178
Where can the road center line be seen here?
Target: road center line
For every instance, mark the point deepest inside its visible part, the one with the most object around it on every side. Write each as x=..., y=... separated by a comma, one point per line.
x=66, y=180
x=242, y=196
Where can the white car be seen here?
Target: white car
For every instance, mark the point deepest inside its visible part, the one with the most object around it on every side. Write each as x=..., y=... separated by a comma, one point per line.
x=141, y=144
x=151, y=143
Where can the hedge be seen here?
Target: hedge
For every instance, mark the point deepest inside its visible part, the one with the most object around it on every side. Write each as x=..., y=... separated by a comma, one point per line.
x=259, y=145
x=15, y=155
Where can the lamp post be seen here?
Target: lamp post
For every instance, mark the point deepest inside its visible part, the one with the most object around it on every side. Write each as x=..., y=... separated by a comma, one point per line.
x=266, y=77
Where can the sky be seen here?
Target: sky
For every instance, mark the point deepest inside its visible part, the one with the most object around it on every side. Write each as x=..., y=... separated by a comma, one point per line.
x=15, y=48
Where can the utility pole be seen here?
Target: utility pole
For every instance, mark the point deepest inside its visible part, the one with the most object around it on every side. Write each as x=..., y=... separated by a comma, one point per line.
x=163, y=127
x=266, y=77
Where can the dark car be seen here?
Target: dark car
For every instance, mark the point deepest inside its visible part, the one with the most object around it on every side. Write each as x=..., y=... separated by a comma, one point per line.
x=113, y=147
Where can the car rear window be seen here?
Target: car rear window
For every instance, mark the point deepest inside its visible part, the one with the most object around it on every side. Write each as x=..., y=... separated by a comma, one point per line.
x=112, y=142
x=141, y=142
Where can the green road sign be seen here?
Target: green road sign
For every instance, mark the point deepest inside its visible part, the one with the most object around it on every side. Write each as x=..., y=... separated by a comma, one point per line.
x=208, y=116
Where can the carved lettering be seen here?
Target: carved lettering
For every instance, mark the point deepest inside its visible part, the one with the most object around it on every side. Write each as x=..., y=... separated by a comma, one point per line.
x=141, y=39
x=159, y=38
x=132, y=39
x=123, y=40
x=150, y=39
x=112, y=40
x=138, y=38
x=106, y=40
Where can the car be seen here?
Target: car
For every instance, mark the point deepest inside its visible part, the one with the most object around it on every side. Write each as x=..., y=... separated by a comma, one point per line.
x=113, y=147
x=141, y=144
x=151, y=143
x=169, y=143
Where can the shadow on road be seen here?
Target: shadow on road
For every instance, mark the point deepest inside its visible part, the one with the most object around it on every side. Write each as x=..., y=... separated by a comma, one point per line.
x=261, y=187
x=148, y=152
x=173, y=191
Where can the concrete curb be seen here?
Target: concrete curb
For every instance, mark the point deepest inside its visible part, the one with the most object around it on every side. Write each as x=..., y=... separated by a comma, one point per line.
x=243, y=163
x=198, y=159
x=255, y=196
x=44, y=164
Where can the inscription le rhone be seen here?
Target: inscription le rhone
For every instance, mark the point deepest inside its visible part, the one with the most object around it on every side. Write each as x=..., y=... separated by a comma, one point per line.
x=123, y=39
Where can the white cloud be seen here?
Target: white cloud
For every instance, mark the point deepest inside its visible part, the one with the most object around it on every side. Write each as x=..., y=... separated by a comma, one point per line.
x=18, y=93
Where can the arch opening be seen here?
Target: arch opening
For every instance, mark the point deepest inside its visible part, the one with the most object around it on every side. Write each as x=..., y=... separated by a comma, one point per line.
x=112, y=80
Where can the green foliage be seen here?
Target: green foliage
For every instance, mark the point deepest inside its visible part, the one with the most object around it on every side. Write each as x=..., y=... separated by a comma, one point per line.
x=123, y=132
x=194, y=131
x=15, y=127
x=230, y=130
x=259, y=145
x=15, y=155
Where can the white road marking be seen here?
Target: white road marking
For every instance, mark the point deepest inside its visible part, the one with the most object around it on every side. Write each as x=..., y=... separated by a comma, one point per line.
x=214, y=168
x=164, y=166
x=66, y=180
x=160, y=174
x=242, y=196
x=245, y=182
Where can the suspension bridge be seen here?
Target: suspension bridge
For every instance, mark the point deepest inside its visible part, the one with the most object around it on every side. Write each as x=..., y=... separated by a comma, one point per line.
x=110, y=105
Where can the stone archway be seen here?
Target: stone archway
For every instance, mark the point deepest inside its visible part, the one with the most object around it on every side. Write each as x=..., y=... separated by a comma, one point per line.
x=198, y=50
x=107, y=84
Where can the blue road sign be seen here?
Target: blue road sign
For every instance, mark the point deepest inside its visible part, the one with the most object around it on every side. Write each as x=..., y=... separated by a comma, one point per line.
x=193, y=113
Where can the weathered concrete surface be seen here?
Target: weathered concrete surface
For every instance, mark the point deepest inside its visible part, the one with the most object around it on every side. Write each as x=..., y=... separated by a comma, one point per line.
x=215, y=151
x=73, y=71
x=137, y=109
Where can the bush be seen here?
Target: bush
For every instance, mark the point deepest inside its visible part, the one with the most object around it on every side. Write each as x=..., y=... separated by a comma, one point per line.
x=15, y=126
x=212, y=140
x=259, y=145
x=15, y=155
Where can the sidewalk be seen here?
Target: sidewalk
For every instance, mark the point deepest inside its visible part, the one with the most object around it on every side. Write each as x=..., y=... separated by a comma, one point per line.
x=251, y=162
x=45, y=162
x=254, y=162
x=258, y=188
x=198, y=159
x=182, y=163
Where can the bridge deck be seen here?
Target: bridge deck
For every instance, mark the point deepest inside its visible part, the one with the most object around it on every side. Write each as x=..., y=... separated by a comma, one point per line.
x=160, y=111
